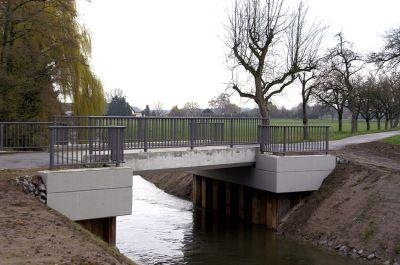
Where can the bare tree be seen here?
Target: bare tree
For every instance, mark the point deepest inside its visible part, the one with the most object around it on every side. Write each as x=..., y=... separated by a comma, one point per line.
x=191, y=109
x=271, y=45
x=331, y=93
x=346, y=63
x=389, y=56
x=223, y=106
x=158, y=109
x=308, y=84
x=366, y=98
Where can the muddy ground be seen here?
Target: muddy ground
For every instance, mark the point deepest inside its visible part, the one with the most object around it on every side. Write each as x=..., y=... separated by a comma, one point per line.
x=357, y=207
x=175, y=183
x=32, y=233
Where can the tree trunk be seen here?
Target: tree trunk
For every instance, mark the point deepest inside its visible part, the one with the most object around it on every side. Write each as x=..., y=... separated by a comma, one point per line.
x=354, y=122
x=378, y=121
x=396, y=122
x=386, y=124
x=305, y=121
x=340, y=120
x=368, y=124
x=264, y=111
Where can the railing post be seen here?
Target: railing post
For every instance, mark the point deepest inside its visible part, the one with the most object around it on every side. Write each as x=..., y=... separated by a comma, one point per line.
x=90, y=136
x=231, y=133
x=191, y=133
x=284, y=139
x=261, y=139
x=1, y=136
x=145, y=135
x=327, y=139
x=116, y=140
x=52, y=141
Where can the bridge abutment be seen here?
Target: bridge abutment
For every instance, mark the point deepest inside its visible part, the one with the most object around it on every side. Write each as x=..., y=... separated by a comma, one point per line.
x=264, y=193
x=92, y=197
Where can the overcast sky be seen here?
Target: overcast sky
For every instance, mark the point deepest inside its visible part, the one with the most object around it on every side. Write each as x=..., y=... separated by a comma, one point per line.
x=173, y=51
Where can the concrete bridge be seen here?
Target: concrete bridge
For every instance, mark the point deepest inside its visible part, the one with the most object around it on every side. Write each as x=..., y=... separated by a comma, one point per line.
x=232, y=173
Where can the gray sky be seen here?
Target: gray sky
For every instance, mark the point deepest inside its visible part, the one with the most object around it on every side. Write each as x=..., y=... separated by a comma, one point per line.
x=173, y=51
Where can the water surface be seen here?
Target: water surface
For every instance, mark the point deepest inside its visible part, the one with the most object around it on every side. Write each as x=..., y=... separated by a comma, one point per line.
x=164, y=229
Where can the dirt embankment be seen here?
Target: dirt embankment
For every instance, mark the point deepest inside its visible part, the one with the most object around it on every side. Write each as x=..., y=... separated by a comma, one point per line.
x=32, y=233
x=175, y=183
x=357, y=209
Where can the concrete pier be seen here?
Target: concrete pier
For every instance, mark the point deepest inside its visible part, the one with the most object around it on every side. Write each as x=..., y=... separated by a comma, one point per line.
x=91, y=196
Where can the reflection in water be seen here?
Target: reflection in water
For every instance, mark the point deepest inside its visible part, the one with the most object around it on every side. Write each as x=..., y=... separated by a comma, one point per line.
x=163, y=229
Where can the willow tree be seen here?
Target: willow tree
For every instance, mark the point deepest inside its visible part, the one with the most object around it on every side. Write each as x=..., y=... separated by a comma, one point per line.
x=44, y=55
x=272, y=46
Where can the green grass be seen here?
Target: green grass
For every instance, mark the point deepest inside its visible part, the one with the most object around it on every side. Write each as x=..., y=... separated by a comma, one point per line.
x=393, y=140
x=334, y=129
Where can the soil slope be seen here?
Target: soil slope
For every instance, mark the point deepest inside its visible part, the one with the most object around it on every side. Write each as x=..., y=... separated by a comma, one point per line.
x=175, y=183
x=32, y=233
x=358, y=205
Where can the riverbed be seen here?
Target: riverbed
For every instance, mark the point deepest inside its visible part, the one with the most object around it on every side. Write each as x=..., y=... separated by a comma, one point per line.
x=164, y=229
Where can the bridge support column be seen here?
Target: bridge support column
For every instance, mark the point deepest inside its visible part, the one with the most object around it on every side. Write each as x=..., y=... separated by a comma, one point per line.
x=196, y=190
x=105, y=228
x=245, y=203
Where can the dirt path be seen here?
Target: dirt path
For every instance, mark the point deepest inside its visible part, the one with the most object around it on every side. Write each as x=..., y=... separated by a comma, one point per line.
x=358, y=205
x=32, y=233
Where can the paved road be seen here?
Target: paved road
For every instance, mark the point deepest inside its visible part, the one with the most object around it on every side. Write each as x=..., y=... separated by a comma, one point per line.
x=41, y=159
x=359, y=139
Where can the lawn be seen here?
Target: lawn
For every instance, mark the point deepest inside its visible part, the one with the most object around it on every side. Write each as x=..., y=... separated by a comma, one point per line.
x=334, y=133
x=393, y=140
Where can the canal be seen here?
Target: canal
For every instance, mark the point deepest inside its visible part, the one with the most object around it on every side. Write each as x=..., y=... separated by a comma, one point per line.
x=164, y=229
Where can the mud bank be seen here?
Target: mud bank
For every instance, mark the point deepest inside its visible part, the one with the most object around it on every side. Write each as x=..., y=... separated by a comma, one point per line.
x=175, y=183
x=356, y=211
x=32, y=233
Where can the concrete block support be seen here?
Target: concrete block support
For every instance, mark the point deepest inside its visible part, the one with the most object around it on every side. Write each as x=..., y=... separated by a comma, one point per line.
x=278, y=174
x=283, y=174
x=90, y=193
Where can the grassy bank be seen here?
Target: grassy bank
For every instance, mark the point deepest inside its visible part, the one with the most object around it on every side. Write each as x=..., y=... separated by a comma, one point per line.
x=334, y=127
x=395, y=140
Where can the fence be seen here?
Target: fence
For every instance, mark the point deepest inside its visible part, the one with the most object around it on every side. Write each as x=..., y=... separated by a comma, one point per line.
x=164, y=132
x=24, y=135
x=294, y=139
x=86, y=145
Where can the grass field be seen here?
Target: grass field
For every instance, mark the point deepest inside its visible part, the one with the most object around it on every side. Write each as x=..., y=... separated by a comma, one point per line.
x=393, y=140
x=334, y=133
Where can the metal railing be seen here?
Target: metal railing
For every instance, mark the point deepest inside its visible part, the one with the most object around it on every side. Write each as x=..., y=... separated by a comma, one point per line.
x=24, y=135
x=283, y=140
x=165, y=132
x=86, y=145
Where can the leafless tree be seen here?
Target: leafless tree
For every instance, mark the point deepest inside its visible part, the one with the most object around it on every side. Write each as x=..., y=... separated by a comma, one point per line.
x=331, y=93
x=346, y=63
x=308, y=84
x=158, y=109
x=191, y=109
x=366, y=98
x=271, y=45
x=223, y=106
x=389, y=56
